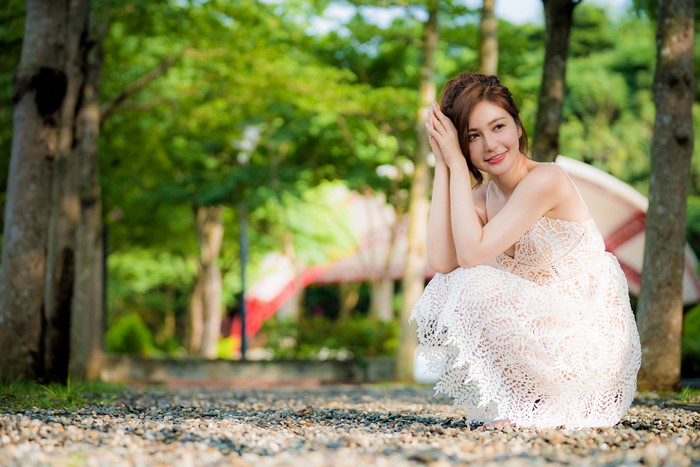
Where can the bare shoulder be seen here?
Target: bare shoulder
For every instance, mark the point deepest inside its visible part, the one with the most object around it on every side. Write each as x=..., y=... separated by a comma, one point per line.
x=550, y=180
x=547, y=170
x=547, y=176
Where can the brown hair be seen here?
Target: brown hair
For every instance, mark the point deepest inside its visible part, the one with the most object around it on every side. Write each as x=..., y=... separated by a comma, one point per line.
x=462, y=93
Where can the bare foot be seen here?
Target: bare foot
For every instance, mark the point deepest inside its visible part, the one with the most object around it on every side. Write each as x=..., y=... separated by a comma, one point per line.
x=498, y=424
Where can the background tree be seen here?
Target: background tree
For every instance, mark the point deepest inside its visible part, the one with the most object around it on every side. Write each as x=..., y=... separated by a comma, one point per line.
x=73, y=289
x=330, y=105
x=558, y=16
x=416, y=260
x=87, y=307
x=660, y=312
x=65, y=203
x=38, y=93
x=488, y=39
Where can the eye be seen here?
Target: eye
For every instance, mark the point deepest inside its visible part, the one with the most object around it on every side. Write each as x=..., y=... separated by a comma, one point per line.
x=498, y=126
x=472, y=136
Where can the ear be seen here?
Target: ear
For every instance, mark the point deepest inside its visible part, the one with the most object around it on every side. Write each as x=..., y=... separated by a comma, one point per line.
x=520, y=131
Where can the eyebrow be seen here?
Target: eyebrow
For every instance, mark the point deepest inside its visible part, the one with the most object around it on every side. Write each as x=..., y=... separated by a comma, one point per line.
x=489, y=123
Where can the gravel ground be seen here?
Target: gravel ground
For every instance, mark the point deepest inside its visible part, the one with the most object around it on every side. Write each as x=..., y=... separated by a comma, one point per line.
x=334, y=425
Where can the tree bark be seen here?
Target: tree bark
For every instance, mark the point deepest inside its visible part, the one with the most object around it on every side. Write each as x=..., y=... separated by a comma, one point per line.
x=660, y=310
x=210, y=233
x=558, y=18
x=348, y=297
x=38, y=91
x=87, y=323
x=292, y=308
x=65, y=205
x=196, y=328
x=488, y=39
x=381, y=304
x=416, y=260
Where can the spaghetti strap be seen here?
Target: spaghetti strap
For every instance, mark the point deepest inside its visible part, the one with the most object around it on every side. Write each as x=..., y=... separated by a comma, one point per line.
x=488, y=190
x=572, y=182
x=545, y=338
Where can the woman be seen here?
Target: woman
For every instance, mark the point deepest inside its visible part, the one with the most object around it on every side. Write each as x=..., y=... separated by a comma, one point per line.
x=546, y=338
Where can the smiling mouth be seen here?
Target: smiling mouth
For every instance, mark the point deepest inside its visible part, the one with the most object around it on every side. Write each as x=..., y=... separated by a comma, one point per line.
x=496, y=159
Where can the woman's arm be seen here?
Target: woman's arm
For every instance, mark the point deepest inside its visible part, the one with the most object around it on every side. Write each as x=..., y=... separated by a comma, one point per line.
x=442, y=256
x=475, y=243
x=536, y=194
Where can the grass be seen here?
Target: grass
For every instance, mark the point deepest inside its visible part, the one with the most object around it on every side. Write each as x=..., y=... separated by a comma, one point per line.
x=15, y=396
x=689, y=395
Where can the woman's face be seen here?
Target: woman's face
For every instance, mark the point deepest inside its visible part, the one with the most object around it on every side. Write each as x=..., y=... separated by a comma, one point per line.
x=494, y=138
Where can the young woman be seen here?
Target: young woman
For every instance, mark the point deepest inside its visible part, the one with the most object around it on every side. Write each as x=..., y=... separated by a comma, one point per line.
x=546, y=338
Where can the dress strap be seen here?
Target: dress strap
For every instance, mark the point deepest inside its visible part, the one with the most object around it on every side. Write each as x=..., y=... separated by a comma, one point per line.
x=574, y=184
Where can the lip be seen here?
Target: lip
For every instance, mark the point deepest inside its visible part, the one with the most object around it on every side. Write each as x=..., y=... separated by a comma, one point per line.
x=497, y=158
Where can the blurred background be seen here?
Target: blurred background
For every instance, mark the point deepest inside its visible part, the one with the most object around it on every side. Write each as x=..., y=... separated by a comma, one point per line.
x=259, y=149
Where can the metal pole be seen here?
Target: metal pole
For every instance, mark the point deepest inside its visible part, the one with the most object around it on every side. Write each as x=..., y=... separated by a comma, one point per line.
x=244, y=261
x=105, y=312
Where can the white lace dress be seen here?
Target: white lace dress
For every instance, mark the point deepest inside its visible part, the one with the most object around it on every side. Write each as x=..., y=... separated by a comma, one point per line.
x=546, y=339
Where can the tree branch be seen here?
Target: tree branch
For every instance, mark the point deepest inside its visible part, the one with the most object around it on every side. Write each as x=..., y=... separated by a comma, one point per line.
x=109, y=108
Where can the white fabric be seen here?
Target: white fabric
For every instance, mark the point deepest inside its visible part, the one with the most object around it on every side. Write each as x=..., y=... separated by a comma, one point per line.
x=546, y=339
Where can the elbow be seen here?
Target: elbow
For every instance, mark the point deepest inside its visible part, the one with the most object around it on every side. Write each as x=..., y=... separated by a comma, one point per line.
x=468, y=261
x=442, y=267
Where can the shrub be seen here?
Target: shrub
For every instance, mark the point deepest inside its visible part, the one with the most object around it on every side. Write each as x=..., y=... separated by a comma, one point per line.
x=690, y=350
x=320, y=337
x=129, y=335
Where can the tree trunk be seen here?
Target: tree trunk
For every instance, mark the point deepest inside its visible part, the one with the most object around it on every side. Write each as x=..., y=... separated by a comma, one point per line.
x=38, y=91
x=210, y=233
x=382, y=305
x=348, y=296
x=414, y=277
x=87, y=322
x=65, y=205
x=558, y=18
x=382, y=284
x=291, y=309
x=488, y=39
x=196, y=328
x=660, y=310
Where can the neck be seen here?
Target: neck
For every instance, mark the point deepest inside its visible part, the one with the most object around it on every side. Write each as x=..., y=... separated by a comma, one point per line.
x=507, y=181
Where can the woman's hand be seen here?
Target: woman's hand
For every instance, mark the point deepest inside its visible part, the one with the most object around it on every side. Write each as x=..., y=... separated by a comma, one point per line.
x=437, y=152
x=442, y=135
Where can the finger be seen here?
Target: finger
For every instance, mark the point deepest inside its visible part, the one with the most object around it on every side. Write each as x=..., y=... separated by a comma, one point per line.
x=444, y=120
x=430, y=120
x=437, y=123
x=432, y=138
x=434, y=124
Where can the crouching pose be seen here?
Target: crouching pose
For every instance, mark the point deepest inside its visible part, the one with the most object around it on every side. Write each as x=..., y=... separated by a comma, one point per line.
x=546, y=338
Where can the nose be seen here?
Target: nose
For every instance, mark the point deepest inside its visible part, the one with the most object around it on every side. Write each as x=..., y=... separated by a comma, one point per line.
x=489, y=142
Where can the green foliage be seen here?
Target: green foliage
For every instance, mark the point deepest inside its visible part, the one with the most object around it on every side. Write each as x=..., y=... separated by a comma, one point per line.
x=154, y=285
x=318, y=337
x=609, y=109
x=224, y=348
x=690, y=349
x=12, y=14
x=692, y=229
x=261, y=110
x=18, y=396
x=129, y=335
x=689, y=395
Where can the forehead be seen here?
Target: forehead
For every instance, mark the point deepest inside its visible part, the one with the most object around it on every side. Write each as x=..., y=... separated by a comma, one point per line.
x=484, y=112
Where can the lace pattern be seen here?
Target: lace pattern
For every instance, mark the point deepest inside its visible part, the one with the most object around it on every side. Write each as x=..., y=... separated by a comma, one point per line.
x=545, y=339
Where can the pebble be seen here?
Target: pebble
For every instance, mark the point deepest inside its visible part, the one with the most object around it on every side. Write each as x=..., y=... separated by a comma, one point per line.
x=342, y=425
